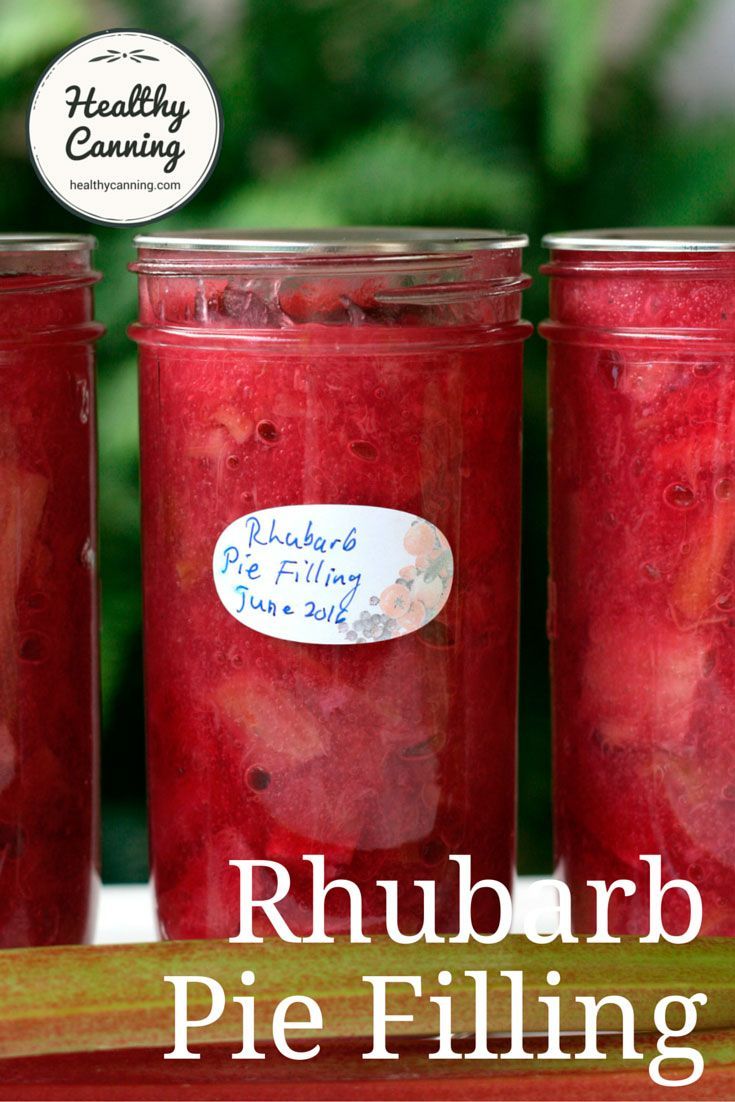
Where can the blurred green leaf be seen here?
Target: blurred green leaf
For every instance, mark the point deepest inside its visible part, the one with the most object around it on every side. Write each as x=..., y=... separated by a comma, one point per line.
x=689, y=178
x=670, y=22
x=31, y=31
x=119, y=525
x=573, y=67
x=391, y=174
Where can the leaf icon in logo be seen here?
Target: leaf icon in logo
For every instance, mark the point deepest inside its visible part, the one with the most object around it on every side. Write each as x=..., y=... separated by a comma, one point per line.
x=110, y=55
x=137, y=56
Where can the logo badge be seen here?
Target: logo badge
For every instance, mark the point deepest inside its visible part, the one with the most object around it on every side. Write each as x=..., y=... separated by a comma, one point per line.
x=124, y=127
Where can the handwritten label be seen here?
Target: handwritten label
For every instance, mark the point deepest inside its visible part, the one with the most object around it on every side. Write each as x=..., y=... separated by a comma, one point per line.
x=333, y=573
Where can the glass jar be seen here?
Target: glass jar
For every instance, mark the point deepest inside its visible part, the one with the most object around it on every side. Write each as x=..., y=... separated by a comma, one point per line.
x=48, y=591
x=347, y=403
x=642, y=591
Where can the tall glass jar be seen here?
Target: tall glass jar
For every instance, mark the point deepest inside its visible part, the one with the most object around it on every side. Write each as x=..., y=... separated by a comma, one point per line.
x=330, y=482
x=642, y=594
x=48, y=591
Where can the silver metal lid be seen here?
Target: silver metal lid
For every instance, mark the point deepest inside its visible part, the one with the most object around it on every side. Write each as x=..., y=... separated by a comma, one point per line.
x=338, y=241
x=674, y=239
x=45, y=242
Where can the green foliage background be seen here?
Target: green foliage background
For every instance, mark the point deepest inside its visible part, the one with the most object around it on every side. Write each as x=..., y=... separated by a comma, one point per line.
x=485, y=112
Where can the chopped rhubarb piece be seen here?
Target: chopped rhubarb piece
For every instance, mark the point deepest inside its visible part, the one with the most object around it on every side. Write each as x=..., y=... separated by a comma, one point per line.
x=637, y=679
x=273, y=723
x=700, y=577
x=305, y=300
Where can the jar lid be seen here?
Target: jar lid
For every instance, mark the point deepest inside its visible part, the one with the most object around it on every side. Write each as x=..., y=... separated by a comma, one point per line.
x=336, y=241
x=45, y=242
x=710, y=239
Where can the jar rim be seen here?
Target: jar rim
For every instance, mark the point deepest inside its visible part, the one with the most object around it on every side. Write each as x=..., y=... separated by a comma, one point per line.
x=684, y=239
x=46, y=242
x=345, y=241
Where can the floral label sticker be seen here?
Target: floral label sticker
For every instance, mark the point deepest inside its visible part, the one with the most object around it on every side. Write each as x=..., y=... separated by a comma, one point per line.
x=333, y=573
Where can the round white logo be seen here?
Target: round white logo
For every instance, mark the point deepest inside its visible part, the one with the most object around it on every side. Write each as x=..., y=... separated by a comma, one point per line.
x=124, y=127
